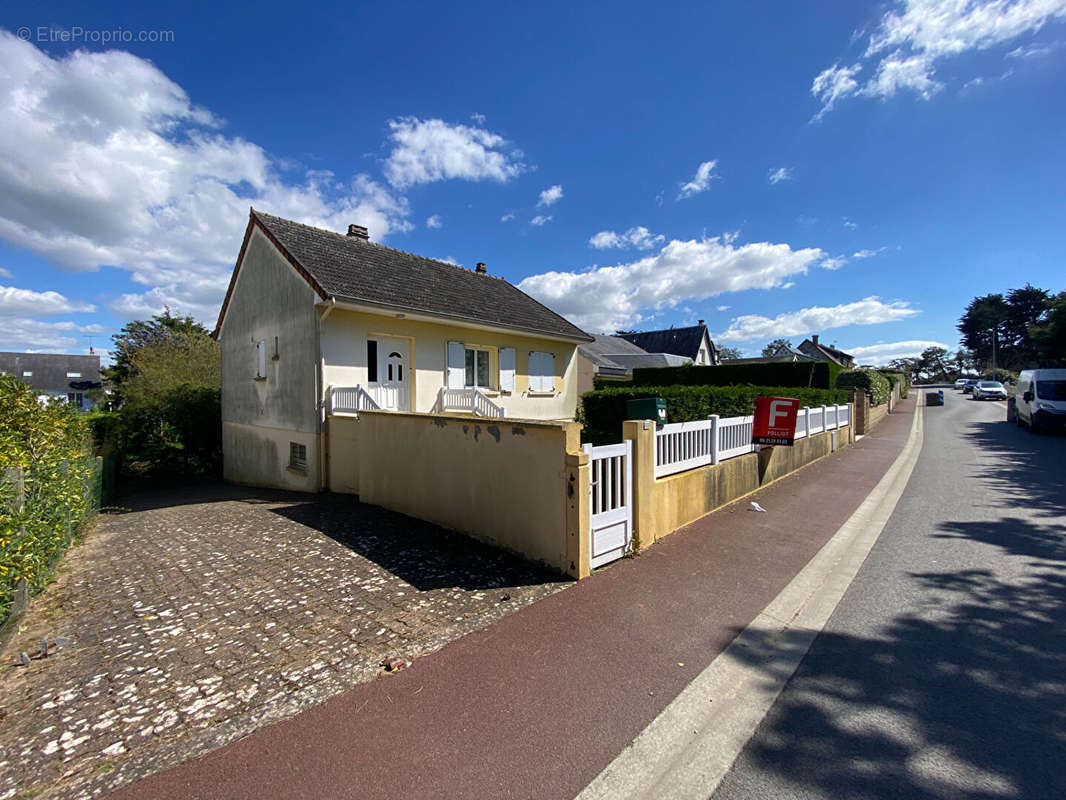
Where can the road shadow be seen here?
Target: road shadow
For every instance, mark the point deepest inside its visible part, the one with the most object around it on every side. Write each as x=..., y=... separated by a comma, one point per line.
x=965, y=697
x=420, y=553
x=1026, y=469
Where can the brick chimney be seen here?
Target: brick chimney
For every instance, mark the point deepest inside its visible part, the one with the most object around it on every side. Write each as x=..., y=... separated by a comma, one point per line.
x=814, y=338
x=358, y=231
x=480, y=268
x=701, y=323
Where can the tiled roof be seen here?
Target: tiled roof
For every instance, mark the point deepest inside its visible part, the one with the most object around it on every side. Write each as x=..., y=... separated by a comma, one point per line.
x=601, y=348
x=356, y=269
x=50, y=370
x=678, y=341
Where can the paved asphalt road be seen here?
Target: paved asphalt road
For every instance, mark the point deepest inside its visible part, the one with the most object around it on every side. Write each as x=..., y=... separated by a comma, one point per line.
x=942, y=673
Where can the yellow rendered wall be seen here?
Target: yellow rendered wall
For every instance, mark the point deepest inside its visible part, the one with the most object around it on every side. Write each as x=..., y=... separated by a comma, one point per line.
x=344, y=336
x=504, y=482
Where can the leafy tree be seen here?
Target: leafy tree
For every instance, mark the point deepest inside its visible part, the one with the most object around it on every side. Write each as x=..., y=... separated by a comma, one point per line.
x=171, y=413
x=137, y=335
x=1049, y=336
x=1006, y=323
x=729, y=353
x=778, y=347
x=934, y=364
x=910, y=367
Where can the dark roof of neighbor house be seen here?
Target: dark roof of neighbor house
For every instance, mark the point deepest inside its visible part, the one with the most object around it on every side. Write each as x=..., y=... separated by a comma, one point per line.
x=50, y=371
x=830, y=353
x=601, y=348
x=677, y=341
x=351, y=267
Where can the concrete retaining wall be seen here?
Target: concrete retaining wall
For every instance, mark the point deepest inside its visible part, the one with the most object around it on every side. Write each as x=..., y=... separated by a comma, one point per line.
x=664, y=505
x=520, y=485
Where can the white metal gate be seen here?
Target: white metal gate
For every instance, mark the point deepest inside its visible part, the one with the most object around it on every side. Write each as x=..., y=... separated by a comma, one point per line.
x=610, y=501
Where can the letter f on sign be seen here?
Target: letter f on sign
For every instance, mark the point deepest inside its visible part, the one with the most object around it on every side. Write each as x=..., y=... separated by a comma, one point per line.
x=783, y=405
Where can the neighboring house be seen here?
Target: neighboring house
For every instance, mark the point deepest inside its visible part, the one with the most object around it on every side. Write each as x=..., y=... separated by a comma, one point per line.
x=52, y=375
x=614, y=358
x=693, y=342
x=821, y=352
x=317, y=322
x=794, y=354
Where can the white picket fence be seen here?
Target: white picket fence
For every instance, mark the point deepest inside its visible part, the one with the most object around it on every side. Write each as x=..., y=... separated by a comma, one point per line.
x=681, y=446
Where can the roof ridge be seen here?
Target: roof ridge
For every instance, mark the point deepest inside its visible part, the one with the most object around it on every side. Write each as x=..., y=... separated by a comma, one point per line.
x=346, y=237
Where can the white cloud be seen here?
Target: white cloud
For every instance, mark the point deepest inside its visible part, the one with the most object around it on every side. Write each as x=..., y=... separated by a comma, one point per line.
x=429, y=150
x=919, y=33
x=550, y=196
x=721, y=308
x=478, y=118
x=434, y=222
x=833, y=262
x=638, y=237
x=701, y=181
x=881, y=354
x=833, y=83
x=104, y=161
x=16, y=302
x=898, y=72
x=507, y=217
x=23, y=334
x=609, y=298
x=540, y=220
x=6, y=273
x=1034, y=50
x=780, y=174
x=868, y=311
x=449, y=260
x=865, y=253
x=849, y=224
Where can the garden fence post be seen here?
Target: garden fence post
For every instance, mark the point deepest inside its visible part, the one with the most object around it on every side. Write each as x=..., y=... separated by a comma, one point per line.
x=714, y=438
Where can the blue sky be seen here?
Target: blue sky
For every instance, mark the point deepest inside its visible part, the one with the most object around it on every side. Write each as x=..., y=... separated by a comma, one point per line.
x=855, y=170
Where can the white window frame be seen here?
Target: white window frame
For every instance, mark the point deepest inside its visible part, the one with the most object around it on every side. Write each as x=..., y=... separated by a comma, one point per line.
x=478, y=351
x=73, y=374
x=541, y=373
x=260, y=360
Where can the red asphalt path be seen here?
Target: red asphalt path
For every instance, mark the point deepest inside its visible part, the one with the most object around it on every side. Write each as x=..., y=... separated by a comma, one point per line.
x=536, y=705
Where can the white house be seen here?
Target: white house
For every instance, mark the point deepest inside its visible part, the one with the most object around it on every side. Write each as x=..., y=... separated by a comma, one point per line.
x=316, y=322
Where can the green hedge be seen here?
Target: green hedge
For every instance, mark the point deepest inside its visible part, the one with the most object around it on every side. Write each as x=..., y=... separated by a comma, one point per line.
x=49, y=485
x=809, y=374
x=893, y=377
x=870, y=381
x=604, y=410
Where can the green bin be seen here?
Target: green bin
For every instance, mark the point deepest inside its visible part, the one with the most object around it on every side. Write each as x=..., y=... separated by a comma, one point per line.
x=653, y=408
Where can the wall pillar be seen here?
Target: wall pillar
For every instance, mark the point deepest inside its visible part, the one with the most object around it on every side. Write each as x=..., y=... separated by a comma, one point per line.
x=642, y=434
x=578, y=531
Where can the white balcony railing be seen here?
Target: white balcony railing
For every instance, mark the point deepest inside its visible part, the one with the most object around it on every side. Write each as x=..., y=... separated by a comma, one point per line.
x=351, y=400
x=470, y=401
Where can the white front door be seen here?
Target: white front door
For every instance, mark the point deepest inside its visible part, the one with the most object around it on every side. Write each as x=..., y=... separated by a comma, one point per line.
x=394, y=373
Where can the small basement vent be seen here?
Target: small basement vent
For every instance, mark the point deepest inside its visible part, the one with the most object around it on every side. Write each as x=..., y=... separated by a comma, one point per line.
x=298, y=455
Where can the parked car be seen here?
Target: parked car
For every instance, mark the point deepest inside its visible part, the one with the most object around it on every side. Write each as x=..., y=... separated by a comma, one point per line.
x=989, y=390
x=960, y=383
x=967, y=387
x=1040, y=399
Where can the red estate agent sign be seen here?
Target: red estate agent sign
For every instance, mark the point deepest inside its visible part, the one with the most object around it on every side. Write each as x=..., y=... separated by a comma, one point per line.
x=775, y=420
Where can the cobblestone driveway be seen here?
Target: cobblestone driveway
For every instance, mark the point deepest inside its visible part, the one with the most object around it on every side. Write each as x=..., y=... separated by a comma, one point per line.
x=202, y=614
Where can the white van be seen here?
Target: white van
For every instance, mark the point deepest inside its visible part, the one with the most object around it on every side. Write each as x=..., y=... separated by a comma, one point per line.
x=1040, y=399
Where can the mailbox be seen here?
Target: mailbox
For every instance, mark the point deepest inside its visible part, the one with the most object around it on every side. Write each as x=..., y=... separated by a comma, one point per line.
x=653, y=408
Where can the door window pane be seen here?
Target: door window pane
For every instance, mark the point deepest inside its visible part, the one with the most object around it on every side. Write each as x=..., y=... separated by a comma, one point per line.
x=482, y=368
x=371, y=361
x=470, y=368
